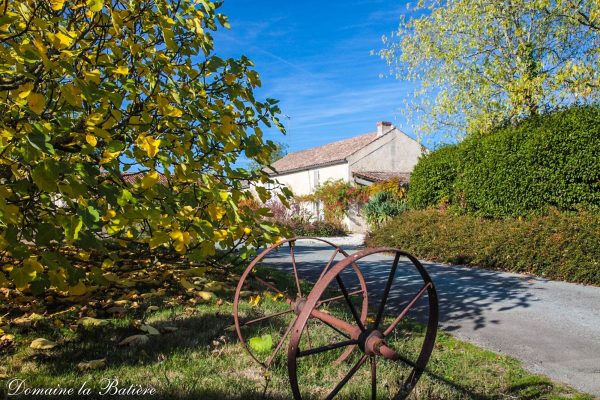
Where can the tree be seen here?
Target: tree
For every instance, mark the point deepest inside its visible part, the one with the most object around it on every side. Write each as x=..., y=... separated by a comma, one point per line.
x=92, y=90
x=483, y=63
x=280, y=151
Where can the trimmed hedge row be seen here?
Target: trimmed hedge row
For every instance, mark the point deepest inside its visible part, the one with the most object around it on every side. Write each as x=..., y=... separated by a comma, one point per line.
x=561, y=246
x=432, y=180
x=549, y=161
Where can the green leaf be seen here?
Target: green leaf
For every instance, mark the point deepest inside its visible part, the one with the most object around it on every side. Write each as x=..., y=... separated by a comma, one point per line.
x=261, y=344
x=45, y=175
x=72, y=226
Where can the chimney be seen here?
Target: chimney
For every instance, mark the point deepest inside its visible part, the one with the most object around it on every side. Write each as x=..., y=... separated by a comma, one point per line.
x=383, y=127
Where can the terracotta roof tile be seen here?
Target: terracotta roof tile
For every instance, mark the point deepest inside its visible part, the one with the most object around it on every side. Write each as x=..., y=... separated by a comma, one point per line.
x=132, y=178
x=377, y=176
x=323, y=155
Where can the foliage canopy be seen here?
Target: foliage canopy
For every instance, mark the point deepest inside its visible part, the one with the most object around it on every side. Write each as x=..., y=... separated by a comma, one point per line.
x=546, y=161
x=90, y=90
x=482, y=63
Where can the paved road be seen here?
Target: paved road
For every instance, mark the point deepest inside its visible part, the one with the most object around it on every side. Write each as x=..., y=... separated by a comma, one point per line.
x=552, y=327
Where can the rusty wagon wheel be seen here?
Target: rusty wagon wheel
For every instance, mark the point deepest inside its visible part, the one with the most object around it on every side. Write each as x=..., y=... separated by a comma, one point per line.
x=377, y=339
x=276, y=318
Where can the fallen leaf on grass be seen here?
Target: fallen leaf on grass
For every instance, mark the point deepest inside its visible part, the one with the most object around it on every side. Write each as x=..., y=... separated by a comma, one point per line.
x=27, y=321
x=152, y=308
x=206, y=295
x=261, y=344
x=150, y=330
x=7, y=337
x=255, y=300
x=90, y=322
x=134, y=340
x=90, y=365
x=42, y=344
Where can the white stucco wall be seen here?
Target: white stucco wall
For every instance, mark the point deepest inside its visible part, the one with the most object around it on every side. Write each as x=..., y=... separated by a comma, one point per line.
x=394, y=151
x=305, y=182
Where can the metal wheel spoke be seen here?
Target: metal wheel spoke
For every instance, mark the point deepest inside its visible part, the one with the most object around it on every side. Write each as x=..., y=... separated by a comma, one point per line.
x=272, y=287
x=295, y=269
x=349, y=302
x=406, y=309
x=349, y=375
x=329, y=300
x=327, y=347
x=344, y=334
x=308, y=334
x=373, y=378
x=337, y=250
x=386, y=293
x=287, y=332
x=266, y=317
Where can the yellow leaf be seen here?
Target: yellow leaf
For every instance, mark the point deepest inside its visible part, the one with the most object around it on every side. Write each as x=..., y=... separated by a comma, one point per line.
x=108, y=156
x=206, y=296
x=149, y=145
x=110, y=214
x=247, y=230
x=62, y=41
x=25, y=89
x=57, y=5
x=72, y=94
x=92, y=322
x=150, y=330
x=90, y=365
x=150, y=180
x=122, y=70
x=78, y=290
x=220, y=234
x=216, y=212
x=95, y=5
x=36, y=102
x=93, y=76
x=91, y=140
x=278, y=296
x=223, y=195
x=42, y=344
x=33, y=264
x=255, y=300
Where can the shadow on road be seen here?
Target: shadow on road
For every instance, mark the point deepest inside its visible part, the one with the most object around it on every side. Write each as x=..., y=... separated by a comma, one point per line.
x=464, y=293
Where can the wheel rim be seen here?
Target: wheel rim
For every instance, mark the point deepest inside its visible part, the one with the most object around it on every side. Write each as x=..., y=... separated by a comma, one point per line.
x=368, y=338
x=294, y=301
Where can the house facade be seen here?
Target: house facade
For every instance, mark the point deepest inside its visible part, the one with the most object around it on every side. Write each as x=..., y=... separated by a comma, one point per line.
x=380, y=155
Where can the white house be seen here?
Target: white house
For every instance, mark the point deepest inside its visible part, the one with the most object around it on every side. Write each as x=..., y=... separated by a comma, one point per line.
x=383, y=154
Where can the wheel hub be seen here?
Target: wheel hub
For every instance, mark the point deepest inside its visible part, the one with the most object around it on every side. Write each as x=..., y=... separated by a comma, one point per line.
x=370, y=341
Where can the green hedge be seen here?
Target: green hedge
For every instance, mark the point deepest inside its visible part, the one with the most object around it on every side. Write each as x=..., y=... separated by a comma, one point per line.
x=432, y=180
x=549, y=161
x=562, y=246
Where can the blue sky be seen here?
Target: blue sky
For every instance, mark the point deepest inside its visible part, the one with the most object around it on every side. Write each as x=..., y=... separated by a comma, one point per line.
x=314, y=56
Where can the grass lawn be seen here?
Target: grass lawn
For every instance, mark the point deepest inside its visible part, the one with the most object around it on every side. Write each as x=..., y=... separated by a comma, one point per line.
x=198, y=356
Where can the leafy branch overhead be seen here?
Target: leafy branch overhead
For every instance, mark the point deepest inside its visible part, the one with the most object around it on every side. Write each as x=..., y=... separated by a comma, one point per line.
x=481, y=63
x=119, y=132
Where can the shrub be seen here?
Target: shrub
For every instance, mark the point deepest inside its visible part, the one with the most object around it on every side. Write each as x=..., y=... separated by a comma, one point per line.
x=296, y=221
x=546, y=161
x=559, y=245
x=432, y=180
x=382, y=206
x=337, y=197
